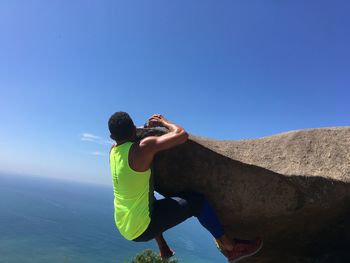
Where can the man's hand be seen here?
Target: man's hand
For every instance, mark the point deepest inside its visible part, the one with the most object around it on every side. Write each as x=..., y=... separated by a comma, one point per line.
x=157, y=120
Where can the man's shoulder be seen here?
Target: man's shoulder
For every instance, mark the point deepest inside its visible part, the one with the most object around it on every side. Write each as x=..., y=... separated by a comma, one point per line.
x=148, y=144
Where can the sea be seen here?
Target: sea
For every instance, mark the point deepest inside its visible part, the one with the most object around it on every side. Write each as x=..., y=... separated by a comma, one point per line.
x=45, y=220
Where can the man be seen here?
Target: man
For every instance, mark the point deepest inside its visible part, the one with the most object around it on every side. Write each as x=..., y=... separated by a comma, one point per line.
x=138, y=215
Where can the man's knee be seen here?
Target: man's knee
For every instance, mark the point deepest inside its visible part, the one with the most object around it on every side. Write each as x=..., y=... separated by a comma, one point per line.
x=195, y=201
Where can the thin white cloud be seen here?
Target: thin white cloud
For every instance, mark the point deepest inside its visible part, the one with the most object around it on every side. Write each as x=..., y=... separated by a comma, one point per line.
x=89, y=137
x=98, y=153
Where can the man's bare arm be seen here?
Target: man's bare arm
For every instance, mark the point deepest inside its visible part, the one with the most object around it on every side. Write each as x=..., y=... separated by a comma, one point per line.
x=151, y=145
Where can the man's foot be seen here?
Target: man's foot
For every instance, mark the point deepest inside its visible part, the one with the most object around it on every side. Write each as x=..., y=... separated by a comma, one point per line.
x=243, y=249
x=166, y=252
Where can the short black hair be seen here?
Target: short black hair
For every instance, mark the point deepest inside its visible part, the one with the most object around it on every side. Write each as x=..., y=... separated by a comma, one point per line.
x=120, y=126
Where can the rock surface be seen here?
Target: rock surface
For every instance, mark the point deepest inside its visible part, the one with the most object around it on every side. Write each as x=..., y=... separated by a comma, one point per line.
x=292, y=189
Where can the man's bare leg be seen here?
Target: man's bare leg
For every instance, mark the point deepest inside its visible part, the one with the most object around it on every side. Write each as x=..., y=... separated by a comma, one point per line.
x=165, y=251
x=161, y=241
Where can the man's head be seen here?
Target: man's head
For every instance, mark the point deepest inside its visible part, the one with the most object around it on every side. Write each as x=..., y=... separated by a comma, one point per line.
x=121, y=126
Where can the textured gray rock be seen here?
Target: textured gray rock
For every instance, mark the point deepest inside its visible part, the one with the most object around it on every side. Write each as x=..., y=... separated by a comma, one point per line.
x=292, y=189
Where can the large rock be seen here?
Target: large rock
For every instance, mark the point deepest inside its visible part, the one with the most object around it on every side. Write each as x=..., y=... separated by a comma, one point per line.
x=292, y=189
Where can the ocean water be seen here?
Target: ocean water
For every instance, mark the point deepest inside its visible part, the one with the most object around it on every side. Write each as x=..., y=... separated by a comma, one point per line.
x=49, y=221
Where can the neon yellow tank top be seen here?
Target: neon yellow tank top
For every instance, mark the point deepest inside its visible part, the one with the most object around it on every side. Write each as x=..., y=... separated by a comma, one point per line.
x=132, y=193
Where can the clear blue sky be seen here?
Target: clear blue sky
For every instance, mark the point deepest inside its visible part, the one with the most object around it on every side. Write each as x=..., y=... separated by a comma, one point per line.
x=221, y=69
